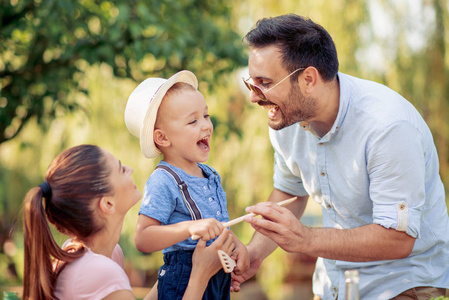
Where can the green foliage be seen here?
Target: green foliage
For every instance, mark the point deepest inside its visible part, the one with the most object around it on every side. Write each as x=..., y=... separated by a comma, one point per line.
x=46, y=45
x=46, y=51
x=109, y=46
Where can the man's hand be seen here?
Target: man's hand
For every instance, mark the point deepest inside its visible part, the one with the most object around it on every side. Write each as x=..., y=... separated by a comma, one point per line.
x=280, y=225
x=254, y=265
x=365, y=243
x=240, y=254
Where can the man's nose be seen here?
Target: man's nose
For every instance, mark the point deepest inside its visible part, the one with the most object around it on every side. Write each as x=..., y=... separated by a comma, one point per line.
x=254, y=97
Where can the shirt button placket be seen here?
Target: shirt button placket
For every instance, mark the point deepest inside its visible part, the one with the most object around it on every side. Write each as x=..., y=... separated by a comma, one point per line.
x=323, y=177
x=335, y=292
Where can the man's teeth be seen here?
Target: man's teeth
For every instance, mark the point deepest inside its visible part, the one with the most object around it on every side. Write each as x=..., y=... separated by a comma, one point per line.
x=269, y=106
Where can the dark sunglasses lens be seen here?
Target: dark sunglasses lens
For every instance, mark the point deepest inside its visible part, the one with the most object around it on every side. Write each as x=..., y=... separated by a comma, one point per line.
x=255, y=89
x=258, y=91
x=247, y=84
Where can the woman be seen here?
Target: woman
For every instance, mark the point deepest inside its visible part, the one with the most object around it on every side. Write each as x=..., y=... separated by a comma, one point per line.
x=86, y=194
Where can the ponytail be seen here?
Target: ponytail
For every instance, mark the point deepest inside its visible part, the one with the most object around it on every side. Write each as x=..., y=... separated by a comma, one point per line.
x=41, y=250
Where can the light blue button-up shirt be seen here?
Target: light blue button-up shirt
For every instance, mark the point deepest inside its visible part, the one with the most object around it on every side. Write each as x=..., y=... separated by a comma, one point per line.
x=378, y=164
x=162, y=199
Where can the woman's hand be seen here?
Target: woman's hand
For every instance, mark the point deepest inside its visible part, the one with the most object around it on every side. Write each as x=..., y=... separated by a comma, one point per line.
x=205, y=264
x=206, y=260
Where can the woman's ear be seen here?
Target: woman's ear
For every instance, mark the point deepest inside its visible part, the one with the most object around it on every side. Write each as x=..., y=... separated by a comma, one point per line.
x=106, y=205
x=160, y=138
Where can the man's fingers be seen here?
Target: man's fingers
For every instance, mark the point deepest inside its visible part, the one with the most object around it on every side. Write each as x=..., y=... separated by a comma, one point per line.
x=263, y=223
x=235, y=283
x=268, y=210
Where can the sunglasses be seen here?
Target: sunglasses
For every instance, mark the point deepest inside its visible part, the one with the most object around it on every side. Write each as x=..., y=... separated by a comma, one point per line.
x=259, y=91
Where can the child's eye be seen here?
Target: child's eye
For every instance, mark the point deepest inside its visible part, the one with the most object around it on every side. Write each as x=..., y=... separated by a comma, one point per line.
x=123, y=169
x=206, y=116
x=192, y=122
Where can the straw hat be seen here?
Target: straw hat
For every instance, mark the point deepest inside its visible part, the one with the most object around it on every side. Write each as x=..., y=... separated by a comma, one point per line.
x=143, y=104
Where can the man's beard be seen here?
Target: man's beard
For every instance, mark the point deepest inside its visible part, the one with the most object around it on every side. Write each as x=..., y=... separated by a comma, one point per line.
x=296, y=109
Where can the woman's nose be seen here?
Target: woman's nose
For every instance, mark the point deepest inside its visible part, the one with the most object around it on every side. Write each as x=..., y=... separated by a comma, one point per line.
x=129, y=169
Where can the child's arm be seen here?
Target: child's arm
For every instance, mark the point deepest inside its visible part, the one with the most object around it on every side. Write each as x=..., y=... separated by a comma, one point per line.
x=240, y=254
x=151, y=236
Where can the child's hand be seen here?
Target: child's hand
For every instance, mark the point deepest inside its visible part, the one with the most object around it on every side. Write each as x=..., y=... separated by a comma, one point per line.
x=241, y=256
x=207, y=229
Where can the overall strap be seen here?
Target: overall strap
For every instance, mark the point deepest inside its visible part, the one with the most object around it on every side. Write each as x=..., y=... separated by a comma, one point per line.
x=190, y=203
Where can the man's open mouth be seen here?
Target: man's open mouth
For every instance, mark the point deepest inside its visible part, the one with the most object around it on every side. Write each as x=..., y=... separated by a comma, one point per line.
x=272, y=108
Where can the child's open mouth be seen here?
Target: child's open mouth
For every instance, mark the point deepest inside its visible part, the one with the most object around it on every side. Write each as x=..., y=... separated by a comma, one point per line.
x=203, y=143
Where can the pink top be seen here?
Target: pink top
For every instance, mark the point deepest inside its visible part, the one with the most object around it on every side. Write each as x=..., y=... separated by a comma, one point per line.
x=93, y=276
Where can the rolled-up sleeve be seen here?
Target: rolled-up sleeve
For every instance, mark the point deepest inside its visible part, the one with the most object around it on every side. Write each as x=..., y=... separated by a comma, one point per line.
x=396, y=167
x=284, y=180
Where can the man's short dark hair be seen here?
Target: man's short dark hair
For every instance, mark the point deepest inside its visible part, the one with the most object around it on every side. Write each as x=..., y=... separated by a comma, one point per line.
x=302, y=42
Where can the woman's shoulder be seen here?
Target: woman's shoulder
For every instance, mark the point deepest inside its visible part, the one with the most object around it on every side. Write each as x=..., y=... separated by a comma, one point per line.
x=93, y=261
x=92, y=276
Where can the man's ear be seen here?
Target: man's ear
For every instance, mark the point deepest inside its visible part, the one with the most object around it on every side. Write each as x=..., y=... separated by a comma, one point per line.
x=160, y=138
x=106, y=205
x=310, y=79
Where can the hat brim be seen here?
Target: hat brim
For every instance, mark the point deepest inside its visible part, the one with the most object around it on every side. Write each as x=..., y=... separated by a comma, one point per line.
x=147, y=144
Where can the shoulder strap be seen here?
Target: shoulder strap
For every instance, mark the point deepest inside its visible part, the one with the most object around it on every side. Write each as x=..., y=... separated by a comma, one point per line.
x=195, y=212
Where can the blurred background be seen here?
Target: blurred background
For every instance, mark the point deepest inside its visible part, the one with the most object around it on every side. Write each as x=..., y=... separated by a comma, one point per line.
x=67, y=68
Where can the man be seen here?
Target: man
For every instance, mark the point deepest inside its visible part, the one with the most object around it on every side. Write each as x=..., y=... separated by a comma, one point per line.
x=360, y=150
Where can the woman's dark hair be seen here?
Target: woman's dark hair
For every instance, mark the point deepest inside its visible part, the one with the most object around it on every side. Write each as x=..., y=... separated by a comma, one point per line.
x=302, y=43
x=77, y=177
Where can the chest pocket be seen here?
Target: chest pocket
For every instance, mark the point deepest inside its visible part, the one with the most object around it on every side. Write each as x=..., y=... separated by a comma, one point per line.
x=195, y=212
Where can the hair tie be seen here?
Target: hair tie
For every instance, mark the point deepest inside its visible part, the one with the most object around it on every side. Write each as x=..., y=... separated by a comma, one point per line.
x=46, y=190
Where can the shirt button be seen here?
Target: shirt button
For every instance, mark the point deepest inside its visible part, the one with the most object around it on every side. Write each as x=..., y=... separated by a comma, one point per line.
x=218, y=213
x=204, y=187
x=329, y=206
x=323, y=173
x=210, y=198
x=321, y=144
